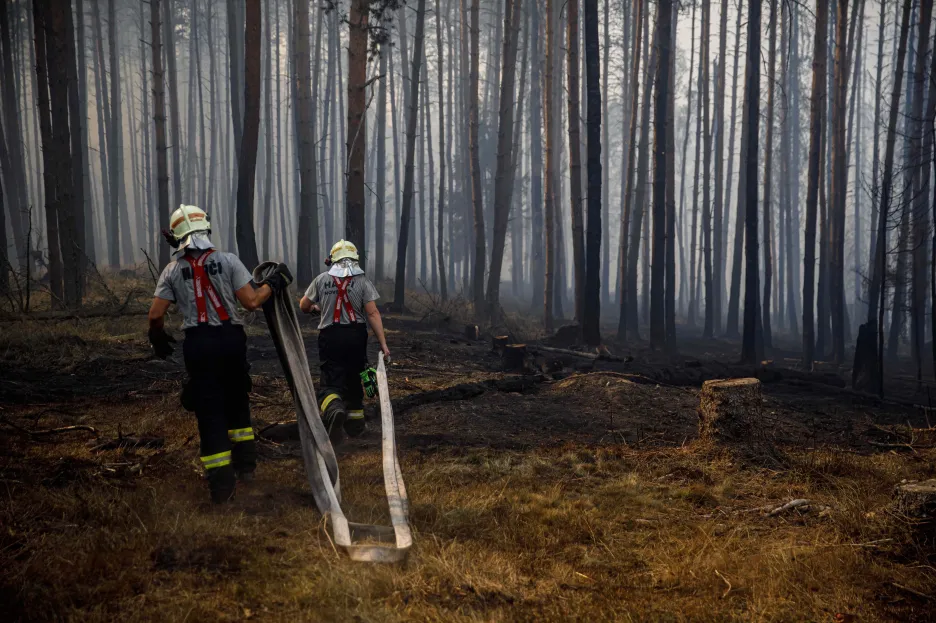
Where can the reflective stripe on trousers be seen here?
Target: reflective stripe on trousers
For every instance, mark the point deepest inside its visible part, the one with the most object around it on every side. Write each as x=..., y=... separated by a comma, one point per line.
x=216, y=460
x=241, y=434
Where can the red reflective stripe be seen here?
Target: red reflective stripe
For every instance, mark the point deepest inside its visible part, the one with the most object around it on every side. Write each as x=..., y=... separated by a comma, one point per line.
x=202, y=284
x=343, y=300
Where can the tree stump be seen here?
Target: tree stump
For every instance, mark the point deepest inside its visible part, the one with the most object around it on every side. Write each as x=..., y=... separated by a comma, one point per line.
x=729, y=409
x=472, y=332
x=514, y=357
x=499, y=342
x=916, y=500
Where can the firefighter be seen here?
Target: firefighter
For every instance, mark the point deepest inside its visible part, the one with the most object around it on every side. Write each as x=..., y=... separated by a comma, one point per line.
x=206, y=285
x=346, y=299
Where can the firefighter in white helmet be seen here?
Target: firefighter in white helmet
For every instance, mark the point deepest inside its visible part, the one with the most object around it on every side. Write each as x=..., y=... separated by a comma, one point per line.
x=346, y=299
x=206, y=286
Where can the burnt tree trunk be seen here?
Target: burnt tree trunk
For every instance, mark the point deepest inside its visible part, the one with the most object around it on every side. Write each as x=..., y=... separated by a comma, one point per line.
x=752, y=348
x=816, y=122
x=247, y=163
x=575, y=157
x=355, y=218
x=307, y=242
x=409, y=172
x=597, y=180
x=660, y=130
x=503, y=182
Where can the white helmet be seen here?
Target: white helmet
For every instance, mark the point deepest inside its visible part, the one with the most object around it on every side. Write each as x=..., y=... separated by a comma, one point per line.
x=344, y=249
x=188, y=220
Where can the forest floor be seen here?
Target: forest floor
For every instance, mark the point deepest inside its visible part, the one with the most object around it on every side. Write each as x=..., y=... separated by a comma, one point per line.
x=579, y=494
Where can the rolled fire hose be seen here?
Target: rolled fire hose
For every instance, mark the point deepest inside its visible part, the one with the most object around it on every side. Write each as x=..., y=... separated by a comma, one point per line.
x=362, y=542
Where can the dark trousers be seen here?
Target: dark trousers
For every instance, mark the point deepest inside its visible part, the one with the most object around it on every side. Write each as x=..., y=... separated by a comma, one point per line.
x=216, y=361
x=343, y=353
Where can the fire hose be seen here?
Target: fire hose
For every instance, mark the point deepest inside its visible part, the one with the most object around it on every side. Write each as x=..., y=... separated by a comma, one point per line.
x=362, y=542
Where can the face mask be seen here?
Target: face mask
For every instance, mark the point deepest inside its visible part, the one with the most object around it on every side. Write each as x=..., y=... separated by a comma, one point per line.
x=345, y=268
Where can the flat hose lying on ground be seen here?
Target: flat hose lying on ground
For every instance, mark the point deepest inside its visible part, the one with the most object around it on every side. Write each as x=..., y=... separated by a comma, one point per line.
x=393, y=543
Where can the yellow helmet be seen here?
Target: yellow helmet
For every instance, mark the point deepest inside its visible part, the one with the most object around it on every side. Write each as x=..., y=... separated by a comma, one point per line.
x=187, y=220
x=342, y=250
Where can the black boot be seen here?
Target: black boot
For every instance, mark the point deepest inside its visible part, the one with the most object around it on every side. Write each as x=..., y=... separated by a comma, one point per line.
x=221, y=483
x=355, y=425
x=334, y=416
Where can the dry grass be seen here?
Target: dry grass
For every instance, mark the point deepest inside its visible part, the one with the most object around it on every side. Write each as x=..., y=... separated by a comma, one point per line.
x=572, y=533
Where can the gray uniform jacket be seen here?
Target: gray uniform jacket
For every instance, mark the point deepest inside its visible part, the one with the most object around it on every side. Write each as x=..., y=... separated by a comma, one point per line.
x=227, y=275
x=324, y=293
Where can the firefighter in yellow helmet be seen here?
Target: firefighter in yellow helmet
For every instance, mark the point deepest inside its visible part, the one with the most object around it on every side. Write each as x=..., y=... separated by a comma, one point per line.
x=206, y=285
x=346, y=299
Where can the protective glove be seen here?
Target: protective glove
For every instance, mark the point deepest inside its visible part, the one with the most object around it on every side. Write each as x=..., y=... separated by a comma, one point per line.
x=279, y=279
x=172, y=240
x=161, y=342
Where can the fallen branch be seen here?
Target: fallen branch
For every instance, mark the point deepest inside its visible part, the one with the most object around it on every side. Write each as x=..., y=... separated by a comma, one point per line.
x=913, y=591
x=49, y=431
x=898, y=446
x=63, y=429
x=794, y=504
x=576, y=353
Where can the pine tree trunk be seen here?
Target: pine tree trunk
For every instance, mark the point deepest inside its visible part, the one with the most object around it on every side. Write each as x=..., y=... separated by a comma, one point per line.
x=839, y=187
x=875, y=166
x=537, y=256
x=49, y=153
x=661, y=101
x=686, y=279
x=752, y=349
x=670, y=183
x=709, y=330
x=477, y=193
x=719, y=231
x=307, y=243
x=214, y=106
x=150, y=225
x=624, y=291
x=268, y=235
x=694, y=281
x=854, y=129
x=503, y=182
x=517, y=223
x=597, y=178
x=575, y=157
x=606, y=170
x=357, y=123
x=920, y=210
x=817, y=107
x=379, y=265
x=408, y=179
x=640, y=200
x=64, y=172
x=159, y=117
x=768, y=178
x=421, y=191
x=75, y=251
x=327, y=147
x=15, y=169
x=734, y=296
x=247, y=162
x=551, y=157
x=235, y=33
x=172, y=81
x=440, y=251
